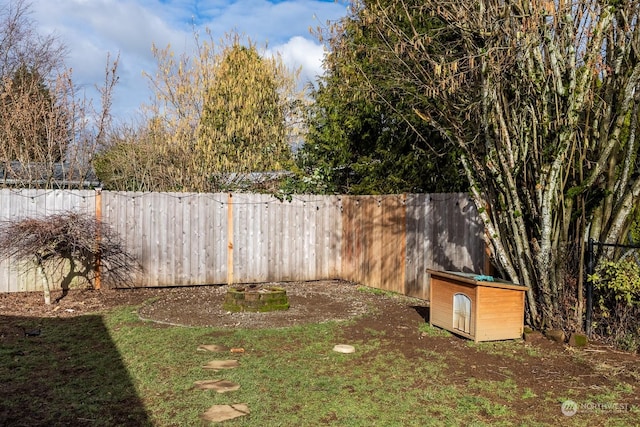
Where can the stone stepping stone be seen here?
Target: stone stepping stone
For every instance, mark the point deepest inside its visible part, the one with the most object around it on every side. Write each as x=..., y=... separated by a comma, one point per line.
x=220, y=413
x=344, y=348
x=220, y=386
x=213, y=347
x=222, y=364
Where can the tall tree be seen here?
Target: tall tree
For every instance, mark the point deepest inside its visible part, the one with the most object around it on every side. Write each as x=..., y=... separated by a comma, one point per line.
x=27, y=126
x=363, y=137
x=49, y=131
x=224, y=110
x=541, y=97
x=242, y=128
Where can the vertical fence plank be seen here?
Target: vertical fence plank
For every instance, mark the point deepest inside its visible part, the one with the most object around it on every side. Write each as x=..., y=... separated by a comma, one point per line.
x=416, y=283
x=98, y=213
x=347, y=238
x=230, y=239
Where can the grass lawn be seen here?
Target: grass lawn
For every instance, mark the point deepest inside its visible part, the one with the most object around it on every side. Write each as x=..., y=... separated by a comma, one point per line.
x=114, y=370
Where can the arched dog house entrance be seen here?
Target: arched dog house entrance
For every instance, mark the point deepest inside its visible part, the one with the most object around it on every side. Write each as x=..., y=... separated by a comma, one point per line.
x=462, y=313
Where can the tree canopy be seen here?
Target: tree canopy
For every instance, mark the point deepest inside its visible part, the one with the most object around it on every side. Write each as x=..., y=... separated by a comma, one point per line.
x=214, y=116
x=363, y=136
x=49, y=130
x=27, y=120
x=242, y=128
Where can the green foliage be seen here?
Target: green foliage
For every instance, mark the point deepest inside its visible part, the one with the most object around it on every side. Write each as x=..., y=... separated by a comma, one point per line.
x=364, y=137
x=617, y=291
x=432, y=331
x=629, y=341
x=618, y=284
x=141, y=162
x=129, y=167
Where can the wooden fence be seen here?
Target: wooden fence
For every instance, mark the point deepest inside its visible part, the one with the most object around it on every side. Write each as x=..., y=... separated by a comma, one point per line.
x=386, y=242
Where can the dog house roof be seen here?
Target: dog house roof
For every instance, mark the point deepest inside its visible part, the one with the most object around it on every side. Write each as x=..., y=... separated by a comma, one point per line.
x=478, y=280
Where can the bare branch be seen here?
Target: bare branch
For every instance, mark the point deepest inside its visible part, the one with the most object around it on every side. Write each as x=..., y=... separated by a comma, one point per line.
x=68, y=239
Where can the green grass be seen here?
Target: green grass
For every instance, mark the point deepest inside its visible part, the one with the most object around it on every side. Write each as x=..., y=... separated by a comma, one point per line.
x=376, y=291
x=433, y=331
x=117, y=370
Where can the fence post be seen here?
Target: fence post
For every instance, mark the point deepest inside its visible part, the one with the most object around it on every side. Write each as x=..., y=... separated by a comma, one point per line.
x=230, y=239
x=589, y=286
x=97, y=284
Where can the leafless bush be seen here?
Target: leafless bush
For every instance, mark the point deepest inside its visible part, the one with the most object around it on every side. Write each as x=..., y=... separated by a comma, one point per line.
x=49, y=128
x=22, y=45
x=67, y=245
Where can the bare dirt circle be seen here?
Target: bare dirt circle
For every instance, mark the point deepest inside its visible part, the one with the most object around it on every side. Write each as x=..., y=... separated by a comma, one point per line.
x=310, y=302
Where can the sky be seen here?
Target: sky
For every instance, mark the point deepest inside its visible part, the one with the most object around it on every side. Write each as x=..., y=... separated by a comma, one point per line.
x=93, y=29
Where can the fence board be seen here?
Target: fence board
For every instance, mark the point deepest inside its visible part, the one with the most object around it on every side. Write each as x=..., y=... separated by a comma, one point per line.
x=417, y=242
x=183, y=238
x=177, y=238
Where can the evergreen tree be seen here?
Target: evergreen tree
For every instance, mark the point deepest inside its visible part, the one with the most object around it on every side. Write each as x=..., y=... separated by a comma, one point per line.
x=27, y=124
x=363, y=137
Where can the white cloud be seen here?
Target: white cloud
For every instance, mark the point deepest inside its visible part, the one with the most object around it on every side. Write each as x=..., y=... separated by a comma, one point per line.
x=304, y=53
x=93, y=28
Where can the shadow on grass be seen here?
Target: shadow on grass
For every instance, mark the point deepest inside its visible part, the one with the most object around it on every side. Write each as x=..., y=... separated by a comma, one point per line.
x=67, y=371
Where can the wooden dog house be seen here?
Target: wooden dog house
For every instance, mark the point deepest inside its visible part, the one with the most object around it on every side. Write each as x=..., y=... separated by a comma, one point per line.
x=477, y=309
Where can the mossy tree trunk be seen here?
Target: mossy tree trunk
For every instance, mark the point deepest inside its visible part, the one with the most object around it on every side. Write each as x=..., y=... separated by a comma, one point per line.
x=542, y=99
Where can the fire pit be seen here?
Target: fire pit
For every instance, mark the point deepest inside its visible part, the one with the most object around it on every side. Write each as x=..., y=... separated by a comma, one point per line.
x=256, y=298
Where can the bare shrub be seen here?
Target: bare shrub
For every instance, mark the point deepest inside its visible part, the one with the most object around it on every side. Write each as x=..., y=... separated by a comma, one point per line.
x=50, y=130
x=67, y=245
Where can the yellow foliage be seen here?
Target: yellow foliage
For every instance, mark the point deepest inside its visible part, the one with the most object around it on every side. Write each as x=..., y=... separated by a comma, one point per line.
x=226, y=109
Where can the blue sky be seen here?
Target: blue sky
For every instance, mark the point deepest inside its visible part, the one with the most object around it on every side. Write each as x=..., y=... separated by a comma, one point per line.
x=93, y=28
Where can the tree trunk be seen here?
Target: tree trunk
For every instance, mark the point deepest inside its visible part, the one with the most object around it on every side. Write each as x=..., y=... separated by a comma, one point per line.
x=46, y=289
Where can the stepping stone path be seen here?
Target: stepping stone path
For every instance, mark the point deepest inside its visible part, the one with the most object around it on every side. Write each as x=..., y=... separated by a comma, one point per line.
x=221, y=386
x=213, y=348
x=220, y=413
x=344, y=348
x=221, y=364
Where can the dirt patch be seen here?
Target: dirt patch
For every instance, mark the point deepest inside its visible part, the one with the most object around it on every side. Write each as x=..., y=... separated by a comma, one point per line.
x=310, y=302
x=540, y=366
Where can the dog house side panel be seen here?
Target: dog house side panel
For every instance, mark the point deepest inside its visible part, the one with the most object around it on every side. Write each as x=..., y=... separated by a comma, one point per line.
x=500, y=314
